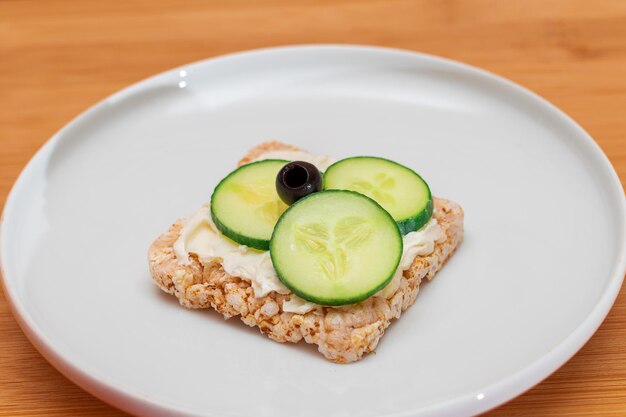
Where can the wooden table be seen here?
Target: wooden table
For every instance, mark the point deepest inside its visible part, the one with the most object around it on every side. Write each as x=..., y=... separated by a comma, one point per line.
x=58, y=57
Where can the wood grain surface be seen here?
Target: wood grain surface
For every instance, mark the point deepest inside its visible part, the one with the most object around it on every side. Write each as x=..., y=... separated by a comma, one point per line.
x=59, y=57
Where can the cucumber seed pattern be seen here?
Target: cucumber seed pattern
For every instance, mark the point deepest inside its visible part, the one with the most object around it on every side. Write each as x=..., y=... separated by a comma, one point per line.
x=330, y=247
x=377, y=189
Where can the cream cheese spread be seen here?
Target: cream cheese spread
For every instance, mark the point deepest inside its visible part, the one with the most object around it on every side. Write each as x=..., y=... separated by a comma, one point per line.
x=201, y=237
x=418, y=243
x=297, y=305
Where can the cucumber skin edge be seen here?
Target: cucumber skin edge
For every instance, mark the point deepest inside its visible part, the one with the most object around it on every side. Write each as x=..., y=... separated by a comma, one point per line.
x=410, y=224
x=260, y=244
x=340, y=301
x=417, y=222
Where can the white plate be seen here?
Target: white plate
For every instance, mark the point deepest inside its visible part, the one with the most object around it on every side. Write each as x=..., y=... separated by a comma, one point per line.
x=541, y=264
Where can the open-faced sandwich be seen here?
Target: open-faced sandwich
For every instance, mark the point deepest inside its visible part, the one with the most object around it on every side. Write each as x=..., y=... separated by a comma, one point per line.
x=308, y=248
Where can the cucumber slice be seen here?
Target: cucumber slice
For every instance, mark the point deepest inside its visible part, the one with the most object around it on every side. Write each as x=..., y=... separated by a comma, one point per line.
x=245, y=206
x=336, y=247
x=400, y=190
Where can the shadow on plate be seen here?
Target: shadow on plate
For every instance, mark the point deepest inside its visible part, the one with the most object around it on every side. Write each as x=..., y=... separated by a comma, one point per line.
x=235, y=323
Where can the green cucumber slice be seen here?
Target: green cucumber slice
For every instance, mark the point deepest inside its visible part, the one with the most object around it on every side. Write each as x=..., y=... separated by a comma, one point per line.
x=336, y=247
x=245, y=206
x=400, y=190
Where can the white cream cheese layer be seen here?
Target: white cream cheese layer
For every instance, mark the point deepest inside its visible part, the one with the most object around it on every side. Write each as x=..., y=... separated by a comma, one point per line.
x=320, y=161
x=418, y=243
x=297, y=305
x=201, y=237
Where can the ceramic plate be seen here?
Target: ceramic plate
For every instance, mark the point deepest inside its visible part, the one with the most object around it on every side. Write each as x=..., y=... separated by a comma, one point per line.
x=541, y=264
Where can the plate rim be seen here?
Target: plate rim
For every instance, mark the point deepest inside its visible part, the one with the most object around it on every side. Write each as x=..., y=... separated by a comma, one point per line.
x=491, y=396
